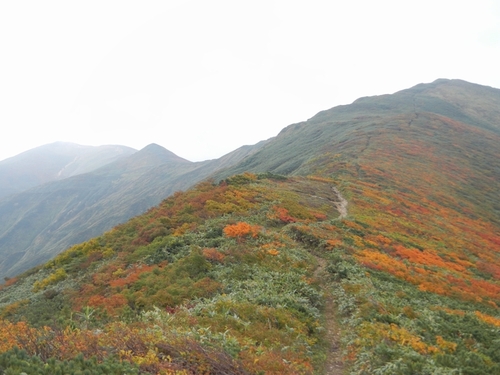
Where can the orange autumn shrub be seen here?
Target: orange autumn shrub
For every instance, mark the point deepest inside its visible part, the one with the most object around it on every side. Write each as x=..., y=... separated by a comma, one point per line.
x=488, y=319
x=241, y=229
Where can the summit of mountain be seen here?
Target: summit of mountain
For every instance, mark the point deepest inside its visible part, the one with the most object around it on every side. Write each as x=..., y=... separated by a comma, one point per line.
x=469, y=103
x=154, y=154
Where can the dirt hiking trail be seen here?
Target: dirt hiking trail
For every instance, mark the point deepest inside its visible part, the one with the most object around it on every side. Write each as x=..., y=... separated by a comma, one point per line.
x=333, y=364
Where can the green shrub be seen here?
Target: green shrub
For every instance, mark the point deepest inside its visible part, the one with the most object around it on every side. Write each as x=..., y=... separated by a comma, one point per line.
x=17, y=361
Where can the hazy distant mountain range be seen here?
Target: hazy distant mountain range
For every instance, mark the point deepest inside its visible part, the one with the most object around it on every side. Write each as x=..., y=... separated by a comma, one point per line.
x=53, y=162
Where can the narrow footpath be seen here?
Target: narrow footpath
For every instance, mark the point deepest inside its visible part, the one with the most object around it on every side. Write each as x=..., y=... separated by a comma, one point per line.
x=333, y=364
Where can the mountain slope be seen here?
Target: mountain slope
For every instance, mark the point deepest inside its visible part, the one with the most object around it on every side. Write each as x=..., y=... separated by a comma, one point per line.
x=54, y=161
x=428, y=180
x=421, y=171
x=394, y=133
x=339, y=126
x=41, y=222
x=241, y=270
x=254, y=285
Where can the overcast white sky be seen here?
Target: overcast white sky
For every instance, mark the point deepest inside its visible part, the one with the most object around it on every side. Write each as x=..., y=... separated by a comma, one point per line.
x=202, y=78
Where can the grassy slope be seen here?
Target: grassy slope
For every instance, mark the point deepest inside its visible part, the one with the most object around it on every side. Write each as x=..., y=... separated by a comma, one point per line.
x=423, y=187
x=225, y=266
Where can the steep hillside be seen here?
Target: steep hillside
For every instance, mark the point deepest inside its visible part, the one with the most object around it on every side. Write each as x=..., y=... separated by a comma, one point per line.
x=378, y=253
x=219, y=271
x=421, y=172
x=52, y=162
x=41, y=222
x=349, y=127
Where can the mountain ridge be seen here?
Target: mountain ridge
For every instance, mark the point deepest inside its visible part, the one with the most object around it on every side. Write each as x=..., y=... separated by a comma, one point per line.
x=359, y=115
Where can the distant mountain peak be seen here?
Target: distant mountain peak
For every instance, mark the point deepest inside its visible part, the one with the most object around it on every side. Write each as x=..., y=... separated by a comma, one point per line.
x=155, y=145
x=158, y=151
